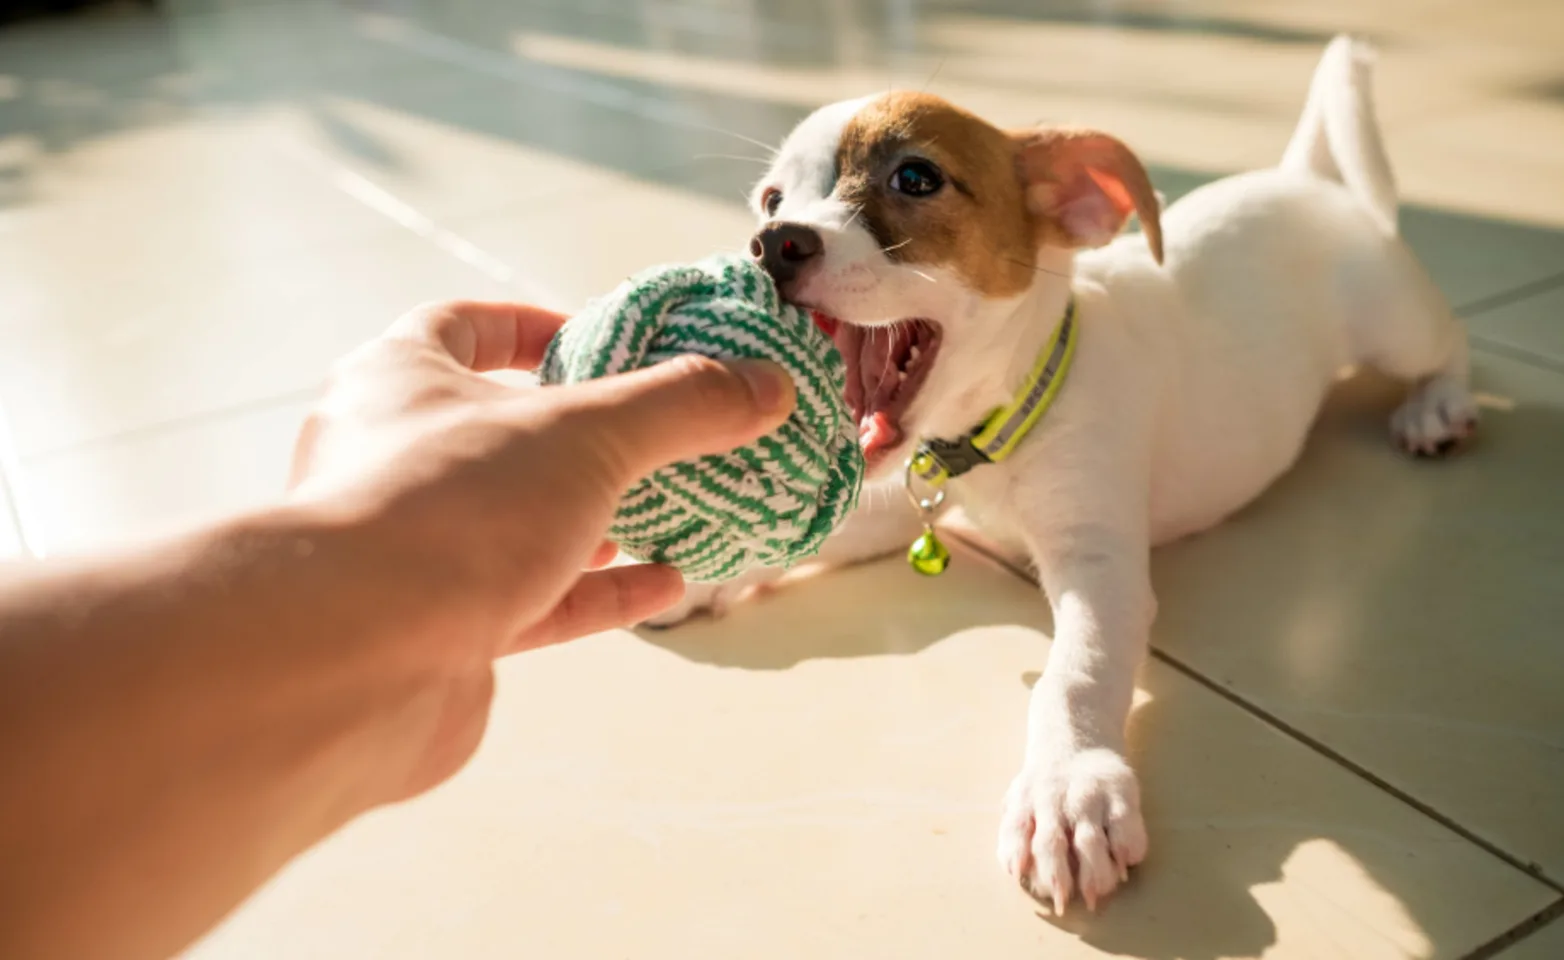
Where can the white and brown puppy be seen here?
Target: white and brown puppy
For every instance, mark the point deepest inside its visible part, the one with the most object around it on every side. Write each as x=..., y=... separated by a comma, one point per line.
x=948, y=251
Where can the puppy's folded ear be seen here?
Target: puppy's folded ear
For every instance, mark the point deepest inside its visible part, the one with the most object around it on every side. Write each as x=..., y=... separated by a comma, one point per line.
x=1082, y=185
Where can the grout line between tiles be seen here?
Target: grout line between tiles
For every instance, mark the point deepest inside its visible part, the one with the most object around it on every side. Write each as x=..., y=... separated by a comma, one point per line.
x=431, y=45
x=11, y=487
x=1519, y=354
x=176, y=423
x=1509, y=938
x=388, y=205
x=1504, y=298
x=1532, y=870
x=1319, y=746
x=1512, y=295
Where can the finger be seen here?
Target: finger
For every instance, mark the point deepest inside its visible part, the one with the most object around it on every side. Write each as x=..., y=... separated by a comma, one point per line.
x=602, y=600
x=606, y=553
x=683, y=408
x=483, y=336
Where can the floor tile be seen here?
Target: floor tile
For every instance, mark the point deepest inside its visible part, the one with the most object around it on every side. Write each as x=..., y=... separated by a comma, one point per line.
x=149, y=353
x=819, y=774
x=1545, y=944
x=153, y=483
x=1404, y=613
x=1534, y=324
x=1449, y=161
x=1474, y=259
x=170, y=297
x=628, y=124
x=444, y=167
x=583, y=249
x=174, y=197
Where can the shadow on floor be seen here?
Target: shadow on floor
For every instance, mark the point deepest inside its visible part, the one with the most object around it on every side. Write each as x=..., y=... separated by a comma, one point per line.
x=853, y=624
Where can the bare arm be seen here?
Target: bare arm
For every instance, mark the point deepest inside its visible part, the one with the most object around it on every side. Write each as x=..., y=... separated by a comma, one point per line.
x=179, y=721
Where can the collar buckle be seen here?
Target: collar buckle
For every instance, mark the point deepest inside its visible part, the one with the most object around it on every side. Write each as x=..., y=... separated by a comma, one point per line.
x=955, y=456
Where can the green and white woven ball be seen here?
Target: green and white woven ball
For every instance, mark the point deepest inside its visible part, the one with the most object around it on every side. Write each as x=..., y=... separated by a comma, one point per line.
x=771, y=503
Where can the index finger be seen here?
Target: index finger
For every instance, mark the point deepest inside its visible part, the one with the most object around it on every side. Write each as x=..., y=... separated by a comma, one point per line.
x=482, y=335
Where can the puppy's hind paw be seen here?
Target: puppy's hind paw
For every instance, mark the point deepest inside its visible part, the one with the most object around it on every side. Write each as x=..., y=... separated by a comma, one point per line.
x=1438, y=418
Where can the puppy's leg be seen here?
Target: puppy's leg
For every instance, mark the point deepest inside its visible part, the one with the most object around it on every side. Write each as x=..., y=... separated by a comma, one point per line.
x=884, y=522
x=1416, y=337
x=1072, y=817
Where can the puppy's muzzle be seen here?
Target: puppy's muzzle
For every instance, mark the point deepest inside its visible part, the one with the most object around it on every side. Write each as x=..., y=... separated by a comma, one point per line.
x=785, y=249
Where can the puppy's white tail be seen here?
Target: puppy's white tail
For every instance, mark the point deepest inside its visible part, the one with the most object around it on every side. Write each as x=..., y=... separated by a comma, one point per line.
x=1338, y=136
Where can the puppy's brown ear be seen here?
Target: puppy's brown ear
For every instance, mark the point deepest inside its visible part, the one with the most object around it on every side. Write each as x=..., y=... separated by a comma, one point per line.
x=1083, y=184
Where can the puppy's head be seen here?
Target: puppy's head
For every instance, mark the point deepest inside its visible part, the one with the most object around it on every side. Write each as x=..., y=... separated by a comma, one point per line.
x=907, y=224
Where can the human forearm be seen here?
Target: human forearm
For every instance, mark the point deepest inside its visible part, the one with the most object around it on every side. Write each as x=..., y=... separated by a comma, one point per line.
x=177, y=723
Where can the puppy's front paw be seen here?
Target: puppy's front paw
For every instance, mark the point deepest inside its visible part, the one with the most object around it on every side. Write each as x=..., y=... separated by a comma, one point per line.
x=712, y=599
x=1072, y=822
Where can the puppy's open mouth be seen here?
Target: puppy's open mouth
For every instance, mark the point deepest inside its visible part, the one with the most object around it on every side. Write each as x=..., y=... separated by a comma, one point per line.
x=886, y=367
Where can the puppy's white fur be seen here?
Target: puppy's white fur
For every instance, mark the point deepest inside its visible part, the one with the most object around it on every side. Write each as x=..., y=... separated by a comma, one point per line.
x=1194, y=385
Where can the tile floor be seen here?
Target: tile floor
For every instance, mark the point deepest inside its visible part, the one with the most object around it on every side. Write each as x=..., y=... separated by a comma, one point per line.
x=1351, y=736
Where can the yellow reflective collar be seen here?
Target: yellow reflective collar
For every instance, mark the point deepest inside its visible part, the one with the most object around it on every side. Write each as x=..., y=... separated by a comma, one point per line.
x=991, y=441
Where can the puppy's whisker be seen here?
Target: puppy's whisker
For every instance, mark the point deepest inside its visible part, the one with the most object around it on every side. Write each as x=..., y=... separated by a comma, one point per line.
x=857, y=210
x=920, y=273
x=932, y=76
x=895, y=246
x=731, y=156
x=773, y=151
x=1036, y=269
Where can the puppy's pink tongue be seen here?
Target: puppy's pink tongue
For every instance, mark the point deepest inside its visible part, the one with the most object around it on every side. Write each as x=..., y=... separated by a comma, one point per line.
x=877, y=434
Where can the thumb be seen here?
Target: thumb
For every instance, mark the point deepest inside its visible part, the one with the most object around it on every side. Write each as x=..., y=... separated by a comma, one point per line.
x=685, y=407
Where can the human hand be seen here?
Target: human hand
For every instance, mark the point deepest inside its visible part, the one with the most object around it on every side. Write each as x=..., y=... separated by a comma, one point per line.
x=476, y=511
x=184, y=716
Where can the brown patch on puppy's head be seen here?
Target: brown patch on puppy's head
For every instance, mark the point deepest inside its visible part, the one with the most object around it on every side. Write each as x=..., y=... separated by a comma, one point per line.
x=936, y=185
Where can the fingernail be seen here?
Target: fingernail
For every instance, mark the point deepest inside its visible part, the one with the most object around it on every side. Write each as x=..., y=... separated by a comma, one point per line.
x=768, y=383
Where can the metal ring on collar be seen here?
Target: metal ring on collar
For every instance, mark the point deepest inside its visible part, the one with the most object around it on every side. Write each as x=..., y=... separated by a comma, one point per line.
x=924, y=505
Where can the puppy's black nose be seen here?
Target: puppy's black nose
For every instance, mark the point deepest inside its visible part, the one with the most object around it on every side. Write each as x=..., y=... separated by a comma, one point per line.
x=784, y=248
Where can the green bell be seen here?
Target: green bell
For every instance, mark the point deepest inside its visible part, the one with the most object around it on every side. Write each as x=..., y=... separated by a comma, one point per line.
x=927, y=555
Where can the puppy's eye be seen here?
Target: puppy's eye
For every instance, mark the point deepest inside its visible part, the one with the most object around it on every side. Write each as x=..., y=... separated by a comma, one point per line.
x=770, y=200
x=917, y=178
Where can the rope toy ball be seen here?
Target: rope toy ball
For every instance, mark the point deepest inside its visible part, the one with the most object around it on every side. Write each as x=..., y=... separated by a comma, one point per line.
x=771, y=503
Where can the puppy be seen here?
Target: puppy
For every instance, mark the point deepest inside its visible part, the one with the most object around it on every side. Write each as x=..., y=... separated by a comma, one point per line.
x=945, y=253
